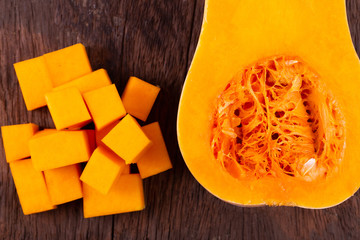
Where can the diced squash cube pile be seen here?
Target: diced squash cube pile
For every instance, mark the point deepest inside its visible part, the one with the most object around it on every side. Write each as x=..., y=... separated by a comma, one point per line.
x=47, y=165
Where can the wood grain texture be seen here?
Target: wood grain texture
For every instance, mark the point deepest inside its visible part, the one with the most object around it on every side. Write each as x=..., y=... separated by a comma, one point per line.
x=154, y=40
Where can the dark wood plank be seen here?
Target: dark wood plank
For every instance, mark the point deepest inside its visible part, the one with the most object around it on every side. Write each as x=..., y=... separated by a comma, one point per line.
x=154, y=40
x=196, y=28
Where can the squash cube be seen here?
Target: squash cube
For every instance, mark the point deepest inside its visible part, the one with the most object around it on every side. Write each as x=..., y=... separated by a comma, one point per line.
x=127, y=140
x=67, y=108
x=34, y=80
x=139, y=97
x=105, y=105
x=102, y=169
x=63, y=184
x=126, y=195
x=67, y=64
x=89, y=82
x=16, y=140
x=31, y=188
x=156, y=159
x=59, y=149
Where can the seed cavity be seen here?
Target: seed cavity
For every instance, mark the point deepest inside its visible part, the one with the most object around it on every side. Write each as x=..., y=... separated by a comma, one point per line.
x=277, y=118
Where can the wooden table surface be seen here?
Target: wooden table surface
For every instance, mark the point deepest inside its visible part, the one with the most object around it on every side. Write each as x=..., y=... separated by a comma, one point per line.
x=154, y=40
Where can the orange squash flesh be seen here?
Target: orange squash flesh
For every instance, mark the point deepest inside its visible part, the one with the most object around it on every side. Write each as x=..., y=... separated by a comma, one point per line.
x=67, y=64
x=126, y=169
x=126, y=195
x=44, y=132
x=53, y=149
x=91, y=138
x=67, y=108
x=127, y=140
x=31, y=187
x=139, y=97
x=105, y=105
x=156, y=159
x=63, y=184
x=102, y=169
x=239, y=34
x=101, y=133
x=15, y=140
x=34, y=80
x=89, y=82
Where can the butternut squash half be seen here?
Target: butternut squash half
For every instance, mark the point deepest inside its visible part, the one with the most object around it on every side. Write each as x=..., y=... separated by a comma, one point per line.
x=269, y=112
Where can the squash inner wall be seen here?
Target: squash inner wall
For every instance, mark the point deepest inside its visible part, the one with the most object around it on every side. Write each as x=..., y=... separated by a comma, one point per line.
x=277, y=118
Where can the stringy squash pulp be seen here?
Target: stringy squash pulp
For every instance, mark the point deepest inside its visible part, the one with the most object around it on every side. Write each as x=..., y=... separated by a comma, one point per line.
x=269, y=110
x=276, y=118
